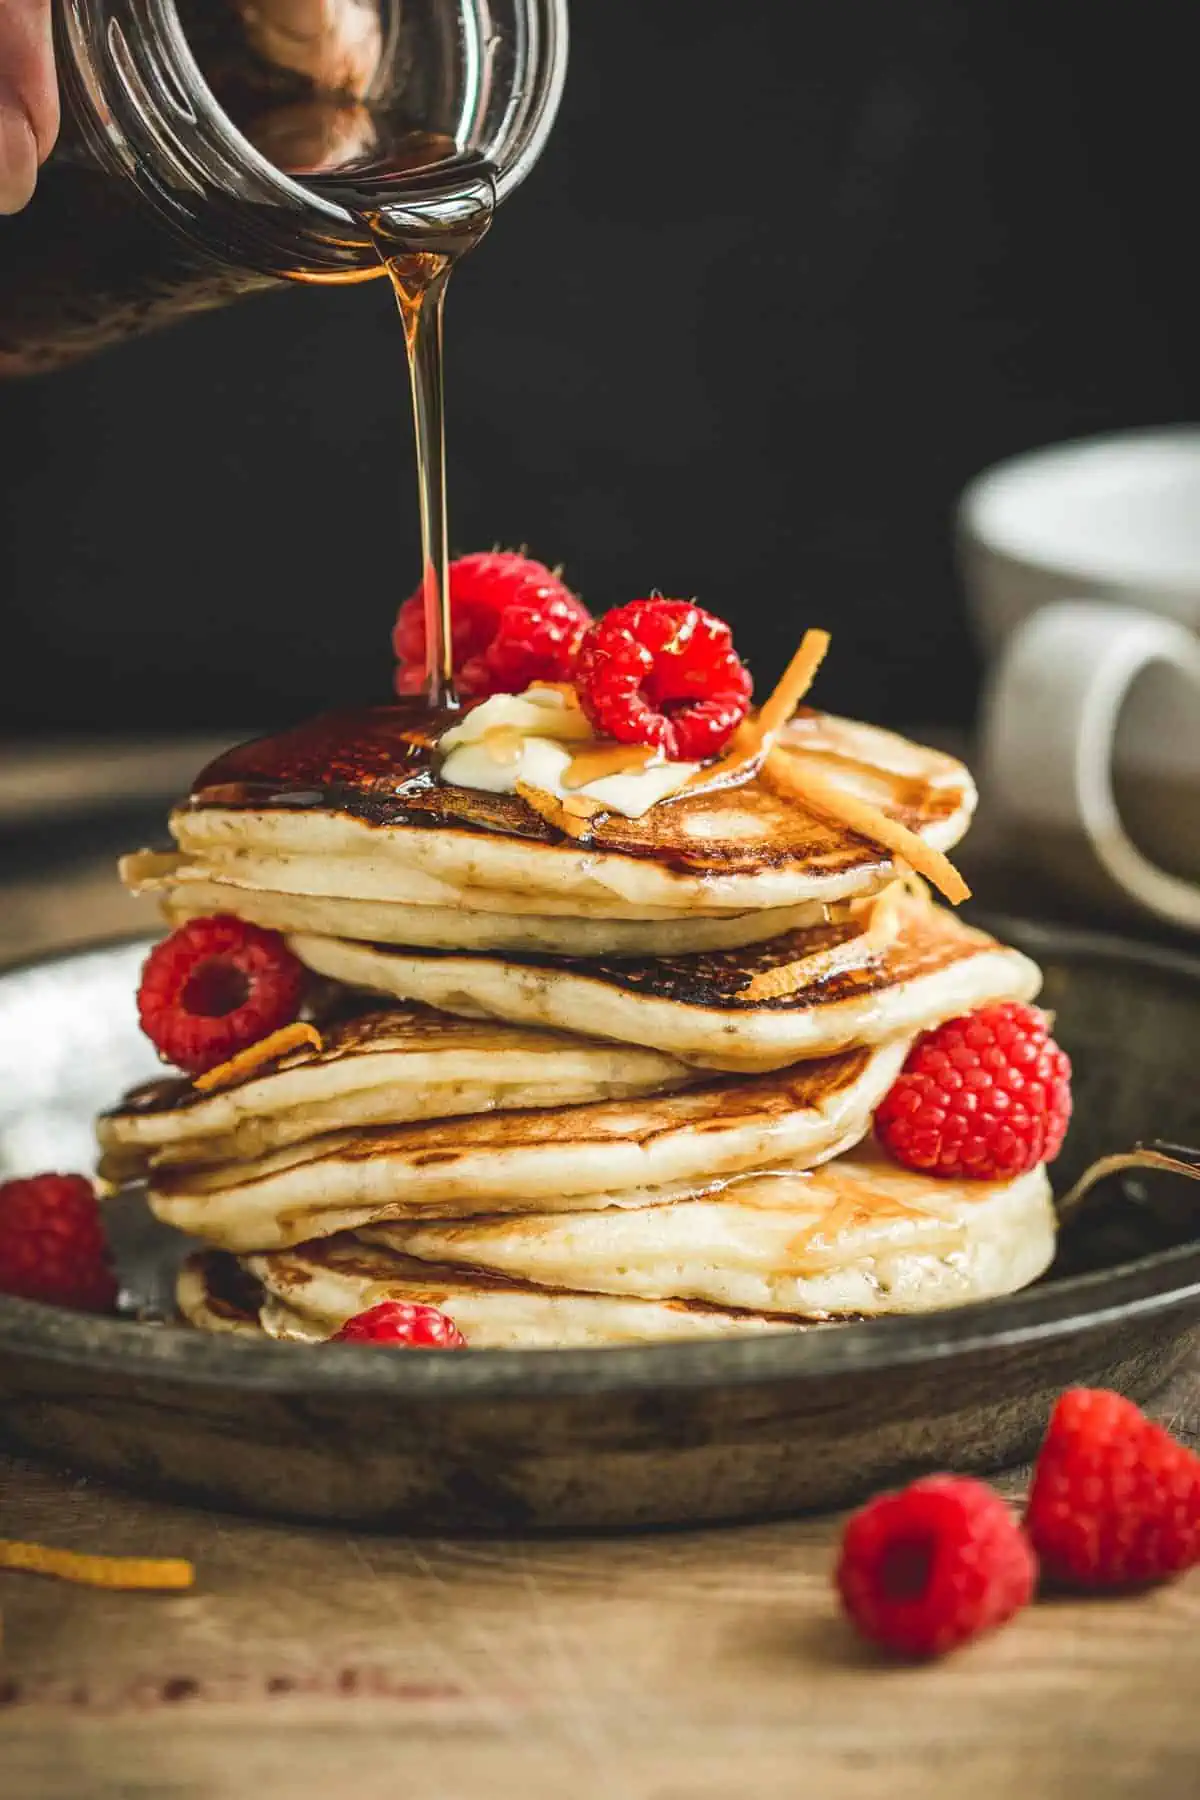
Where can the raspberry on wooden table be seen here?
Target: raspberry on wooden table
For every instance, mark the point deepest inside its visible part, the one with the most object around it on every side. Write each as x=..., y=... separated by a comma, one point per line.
x=214, y=987
x=512, y=622
x=986, y=1097
x=663, y=672
x=1115, y=1499
x=406, y=1325
x=928, y=1568
x=52, y=1244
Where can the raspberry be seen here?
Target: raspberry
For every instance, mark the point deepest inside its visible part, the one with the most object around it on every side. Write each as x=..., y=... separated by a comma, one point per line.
x=214, y=987
x=512, y=622
x=927, y=1569
x=663, y=672
x=987, y=1097
x=408, y=1326
x=52, y=1244
x=1115, y=1500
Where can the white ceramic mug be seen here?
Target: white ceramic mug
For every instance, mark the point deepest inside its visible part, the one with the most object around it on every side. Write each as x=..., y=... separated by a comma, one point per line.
x=1082, y=566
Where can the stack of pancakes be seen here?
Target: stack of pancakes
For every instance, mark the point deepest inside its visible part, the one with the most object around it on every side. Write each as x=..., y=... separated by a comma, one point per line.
x=580, y=1080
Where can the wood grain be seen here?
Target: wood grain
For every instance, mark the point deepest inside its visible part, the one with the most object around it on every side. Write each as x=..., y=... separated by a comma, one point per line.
x=697, y=1664
x=669, y=1666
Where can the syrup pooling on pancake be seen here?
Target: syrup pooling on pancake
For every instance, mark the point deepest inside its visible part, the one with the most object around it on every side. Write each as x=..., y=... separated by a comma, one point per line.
x=319, y=794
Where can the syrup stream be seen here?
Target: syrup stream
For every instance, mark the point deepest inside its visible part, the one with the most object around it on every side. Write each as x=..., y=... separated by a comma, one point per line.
x=419, y=246
x=419, y=283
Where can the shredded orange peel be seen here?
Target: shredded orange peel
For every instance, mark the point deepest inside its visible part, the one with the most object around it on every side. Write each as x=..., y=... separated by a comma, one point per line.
x=254, y=1056
x=115, y=1572
x=572, y=815
x=789, y=772
x=880, y=919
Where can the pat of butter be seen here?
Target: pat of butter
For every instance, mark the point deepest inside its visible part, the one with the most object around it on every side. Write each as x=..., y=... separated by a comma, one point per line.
x=534, y=735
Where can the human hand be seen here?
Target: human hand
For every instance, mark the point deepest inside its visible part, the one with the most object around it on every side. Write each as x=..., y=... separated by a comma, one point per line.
x=28, y=98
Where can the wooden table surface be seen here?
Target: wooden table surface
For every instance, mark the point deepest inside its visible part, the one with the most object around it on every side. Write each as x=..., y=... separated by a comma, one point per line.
x=671, y=1666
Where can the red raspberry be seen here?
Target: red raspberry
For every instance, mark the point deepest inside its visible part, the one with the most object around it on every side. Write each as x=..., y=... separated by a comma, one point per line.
x=987, y=1096
x=1115, y=1500
x=927, y=1569
x=406, y=1325
x=52, y=1244
x=214, y=987
x=663, y=672
x=512, y=622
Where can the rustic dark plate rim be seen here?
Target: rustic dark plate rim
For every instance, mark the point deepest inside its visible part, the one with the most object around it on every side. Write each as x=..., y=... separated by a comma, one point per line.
x=1161, y=1282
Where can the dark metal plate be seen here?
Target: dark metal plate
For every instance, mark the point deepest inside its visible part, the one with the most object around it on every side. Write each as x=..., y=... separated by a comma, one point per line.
x=514, y=1440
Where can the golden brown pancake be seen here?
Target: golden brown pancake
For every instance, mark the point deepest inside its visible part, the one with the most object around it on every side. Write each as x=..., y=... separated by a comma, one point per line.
x=717, y=1010
x=618, y=1152
x=388, y=1066
x=305, y=1295
x=359, y=793
x=858, y=1235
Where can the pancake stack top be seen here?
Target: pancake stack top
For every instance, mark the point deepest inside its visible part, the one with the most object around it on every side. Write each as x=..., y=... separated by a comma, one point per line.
x=586, y=1068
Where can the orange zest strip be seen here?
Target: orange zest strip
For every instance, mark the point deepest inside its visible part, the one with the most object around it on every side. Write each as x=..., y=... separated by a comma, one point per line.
x=97, y=1571
x=793, y=684
x=267, y=1050
x=792, y=978
x=566, y=816
x=752, y=740
x=880, y=920
x=787, y=773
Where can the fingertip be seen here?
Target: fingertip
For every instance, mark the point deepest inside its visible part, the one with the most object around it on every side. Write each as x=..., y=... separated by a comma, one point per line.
x=19, y=155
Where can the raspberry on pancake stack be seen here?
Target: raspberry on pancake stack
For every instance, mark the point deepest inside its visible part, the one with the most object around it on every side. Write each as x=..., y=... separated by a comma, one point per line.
x=602, y=1009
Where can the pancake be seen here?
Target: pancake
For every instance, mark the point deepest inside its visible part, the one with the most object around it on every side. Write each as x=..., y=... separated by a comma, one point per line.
x=256, y=889
x=357, y=794
x=214, y=1293
x=617, y=1151
x=305, y=1295
x=386, y=1067
x=844, y=986
x=859, y=1235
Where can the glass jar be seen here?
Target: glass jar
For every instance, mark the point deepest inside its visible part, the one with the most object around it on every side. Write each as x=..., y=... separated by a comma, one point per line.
x=214, y=147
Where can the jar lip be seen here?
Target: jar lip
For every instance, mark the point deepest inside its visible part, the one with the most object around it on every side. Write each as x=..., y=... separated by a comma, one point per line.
x=552, y=53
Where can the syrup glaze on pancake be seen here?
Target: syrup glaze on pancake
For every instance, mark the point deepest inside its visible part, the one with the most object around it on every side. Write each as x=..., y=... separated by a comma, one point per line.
x=719, y=979
x=379, y=766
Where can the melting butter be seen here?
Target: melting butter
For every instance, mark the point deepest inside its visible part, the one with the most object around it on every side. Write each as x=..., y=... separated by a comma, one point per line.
x=540, y=738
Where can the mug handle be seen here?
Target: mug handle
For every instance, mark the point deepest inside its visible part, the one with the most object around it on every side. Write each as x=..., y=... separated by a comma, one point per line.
x=1049, y=722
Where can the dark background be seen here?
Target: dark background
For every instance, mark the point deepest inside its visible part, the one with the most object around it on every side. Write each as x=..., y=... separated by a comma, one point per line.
x=786, y=277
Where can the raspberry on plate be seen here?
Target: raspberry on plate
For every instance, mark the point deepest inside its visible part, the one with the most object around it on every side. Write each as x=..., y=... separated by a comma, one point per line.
x=986, y=1097
x=406, y=1325
x=512, y=622
x=1115, y=1499
x=663, y=672
x=52, y=1244
x=927, y=1569
x=214, y=987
